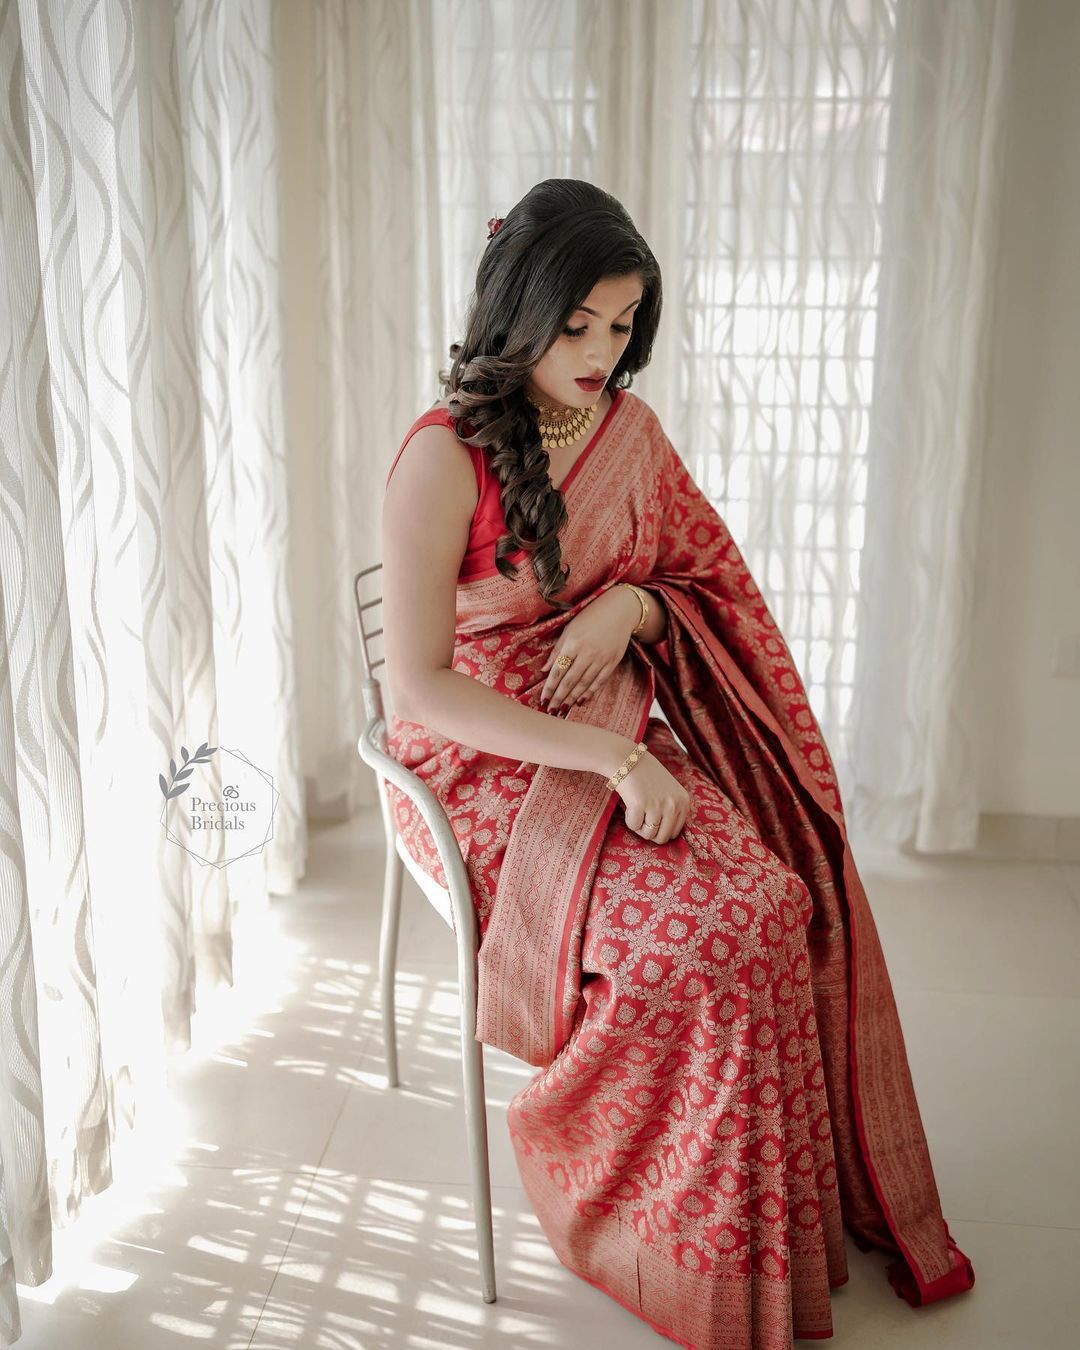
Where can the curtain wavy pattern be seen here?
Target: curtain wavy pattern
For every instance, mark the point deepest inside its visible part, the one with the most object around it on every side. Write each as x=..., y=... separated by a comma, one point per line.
x=144, y=603
x=819, y=180
x=825, y=231
x=747, y=141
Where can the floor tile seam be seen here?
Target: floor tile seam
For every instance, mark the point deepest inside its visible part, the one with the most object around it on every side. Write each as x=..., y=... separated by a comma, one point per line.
x=336, y=1173
x=901, y=989
x=243, y=1167
x=281, y=1258
x=1017, y=1223
x=300, y=1208
x=330, y=1174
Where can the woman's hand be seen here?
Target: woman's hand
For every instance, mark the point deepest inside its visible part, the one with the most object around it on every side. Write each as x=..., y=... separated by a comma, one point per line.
x=597, y=639
x=656, y=803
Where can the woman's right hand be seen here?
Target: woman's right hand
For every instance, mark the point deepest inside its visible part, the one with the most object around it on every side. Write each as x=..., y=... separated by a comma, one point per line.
x=654, y=796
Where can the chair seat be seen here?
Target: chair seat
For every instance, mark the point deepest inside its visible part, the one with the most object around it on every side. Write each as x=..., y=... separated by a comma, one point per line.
x=436, y=895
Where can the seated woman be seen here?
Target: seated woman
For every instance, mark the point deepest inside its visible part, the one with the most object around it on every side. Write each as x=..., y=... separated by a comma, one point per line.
x=672, y=926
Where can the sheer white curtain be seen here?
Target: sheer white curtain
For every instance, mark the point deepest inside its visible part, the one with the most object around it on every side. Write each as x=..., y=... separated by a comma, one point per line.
x=751, y=143
x=780, y=172
x=914, y=724
x=818, y=180
x=144, y=599
x=747, y=142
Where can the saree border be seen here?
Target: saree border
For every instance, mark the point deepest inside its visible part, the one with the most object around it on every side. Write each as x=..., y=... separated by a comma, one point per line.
x=928, y=1272
x=564, y=1012
x=725, y=1311
x=527, y=986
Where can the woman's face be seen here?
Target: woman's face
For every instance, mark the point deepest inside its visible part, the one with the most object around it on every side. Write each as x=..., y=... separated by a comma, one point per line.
x=590, y=343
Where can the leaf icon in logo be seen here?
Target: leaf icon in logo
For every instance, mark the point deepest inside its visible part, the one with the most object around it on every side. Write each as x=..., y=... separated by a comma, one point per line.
x=178, y=781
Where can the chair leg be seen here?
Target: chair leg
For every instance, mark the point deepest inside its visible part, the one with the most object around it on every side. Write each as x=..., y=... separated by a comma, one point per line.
x=472, y=1062
x=388, y=945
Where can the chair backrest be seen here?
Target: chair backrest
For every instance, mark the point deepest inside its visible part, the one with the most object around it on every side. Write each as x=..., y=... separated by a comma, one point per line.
x=372, y=748
x=367, y=581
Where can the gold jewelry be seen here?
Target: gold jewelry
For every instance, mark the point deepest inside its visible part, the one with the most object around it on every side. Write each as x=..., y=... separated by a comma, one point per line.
x=649, y=824
x=564, y=662
x=643, y=601
x=562, y=426
x=627, y=764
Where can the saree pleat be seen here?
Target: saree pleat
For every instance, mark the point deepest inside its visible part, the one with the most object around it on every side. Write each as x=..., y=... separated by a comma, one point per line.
x=690, y=1103
x=722, y=1084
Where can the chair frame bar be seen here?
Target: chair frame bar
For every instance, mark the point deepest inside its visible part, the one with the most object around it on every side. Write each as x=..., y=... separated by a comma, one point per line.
x=372, y=749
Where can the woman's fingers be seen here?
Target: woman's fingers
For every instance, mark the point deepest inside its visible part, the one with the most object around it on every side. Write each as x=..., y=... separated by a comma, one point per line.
x=557, y=676
x=667, y=824
x=647, y=821
x=590, y=682
x=596, y=681
x=574, y=680
x=669, y=819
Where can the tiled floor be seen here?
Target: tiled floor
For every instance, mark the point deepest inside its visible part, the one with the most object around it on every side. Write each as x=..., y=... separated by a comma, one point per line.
x=294, y=1201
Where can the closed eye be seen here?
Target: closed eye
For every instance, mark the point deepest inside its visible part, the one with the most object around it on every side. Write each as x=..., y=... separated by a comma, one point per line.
x=577, y=332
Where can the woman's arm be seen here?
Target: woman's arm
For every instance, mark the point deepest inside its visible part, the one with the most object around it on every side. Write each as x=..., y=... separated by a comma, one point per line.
x=655, y=627
x=427, y=511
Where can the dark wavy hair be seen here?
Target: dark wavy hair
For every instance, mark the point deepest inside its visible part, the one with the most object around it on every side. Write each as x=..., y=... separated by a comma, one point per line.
x=561, y=238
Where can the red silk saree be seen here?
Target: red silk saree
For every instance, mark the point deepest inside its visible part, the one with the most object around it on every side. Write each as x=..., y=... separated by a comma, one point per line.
x=723, y=1083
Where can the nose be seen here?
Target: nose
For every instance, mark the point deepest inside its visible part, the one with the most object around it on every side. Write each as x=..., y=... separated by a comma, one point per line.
x=600, y=355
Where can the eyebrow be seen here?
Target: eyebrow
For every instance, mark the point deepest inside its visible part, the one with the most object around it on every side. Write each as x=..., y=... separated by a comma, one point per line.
x=584, y=309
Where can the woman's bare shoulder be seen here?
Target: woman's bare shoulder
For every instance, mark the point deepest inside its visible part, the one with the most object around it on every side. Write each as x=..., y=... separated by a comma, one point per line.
x=435, y=464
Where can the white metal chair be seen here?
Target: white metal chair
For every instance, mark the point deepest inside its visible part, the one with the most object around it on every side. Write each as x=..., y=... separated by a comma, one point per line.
x=454, y=905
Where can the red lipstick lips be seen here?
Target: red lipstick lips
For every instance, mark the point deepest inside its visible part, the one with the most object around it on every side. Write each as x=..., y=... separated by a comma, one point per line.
x=592, y=384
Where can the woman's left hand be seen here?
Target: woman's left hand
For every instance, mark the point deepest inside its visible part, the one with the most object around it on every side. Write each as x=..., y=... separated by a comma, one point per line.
x=597, y=639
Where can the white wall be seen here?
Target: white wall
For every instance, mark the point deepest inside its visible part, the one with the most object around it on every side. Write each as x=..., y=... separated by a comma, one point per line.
x=1029, y=591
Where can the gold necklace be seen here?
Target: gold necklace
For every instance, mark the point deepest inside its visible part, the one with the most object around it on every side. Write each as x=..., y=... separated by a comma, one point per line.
x=562, y=428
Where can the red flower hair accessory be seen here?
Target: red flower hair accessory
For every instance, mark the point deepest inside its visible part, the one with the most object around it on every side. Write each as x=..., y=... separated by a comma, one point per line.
x=493, y=226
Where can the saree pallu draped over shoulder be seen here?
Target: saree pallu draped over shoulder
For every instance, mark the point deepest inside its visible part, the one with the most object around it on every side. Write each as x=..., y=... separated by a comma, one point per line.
x=723, y=1079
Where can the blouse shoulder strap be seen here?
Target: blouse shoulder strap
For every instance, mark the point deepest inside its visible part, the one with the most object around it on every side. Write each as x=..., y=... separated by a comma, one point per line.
x=440, y=416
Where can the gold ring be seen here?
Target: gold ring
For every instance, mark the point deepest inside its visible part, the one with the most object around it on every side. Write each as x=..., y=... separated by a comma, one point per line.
x=564, y=662
x=649, y=825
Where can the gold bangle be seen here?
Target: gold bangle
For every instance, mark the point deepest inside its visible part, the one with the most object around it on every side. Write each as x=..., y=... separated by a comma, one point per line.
x=627, y=764
x=643, y=601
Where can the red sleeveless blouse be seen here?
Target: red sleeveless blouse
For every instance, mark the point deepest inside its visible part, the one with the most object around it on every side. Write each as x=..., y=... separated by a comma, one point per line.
x=489, y=522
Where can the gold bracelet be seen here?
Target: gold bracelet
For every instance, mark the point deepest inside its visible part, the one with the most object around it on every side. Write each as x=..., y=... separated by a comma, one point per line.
x=643, y=601
x=627, y=764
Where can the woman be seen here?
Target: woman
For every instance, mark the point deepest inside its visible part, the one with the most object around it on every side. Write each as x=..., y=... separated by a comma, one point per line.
x=677, y=937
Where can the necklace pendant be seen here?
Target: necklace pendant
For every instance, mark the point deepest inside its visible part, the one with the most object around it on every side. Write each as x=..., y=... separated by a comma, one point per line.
x=560, y=429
